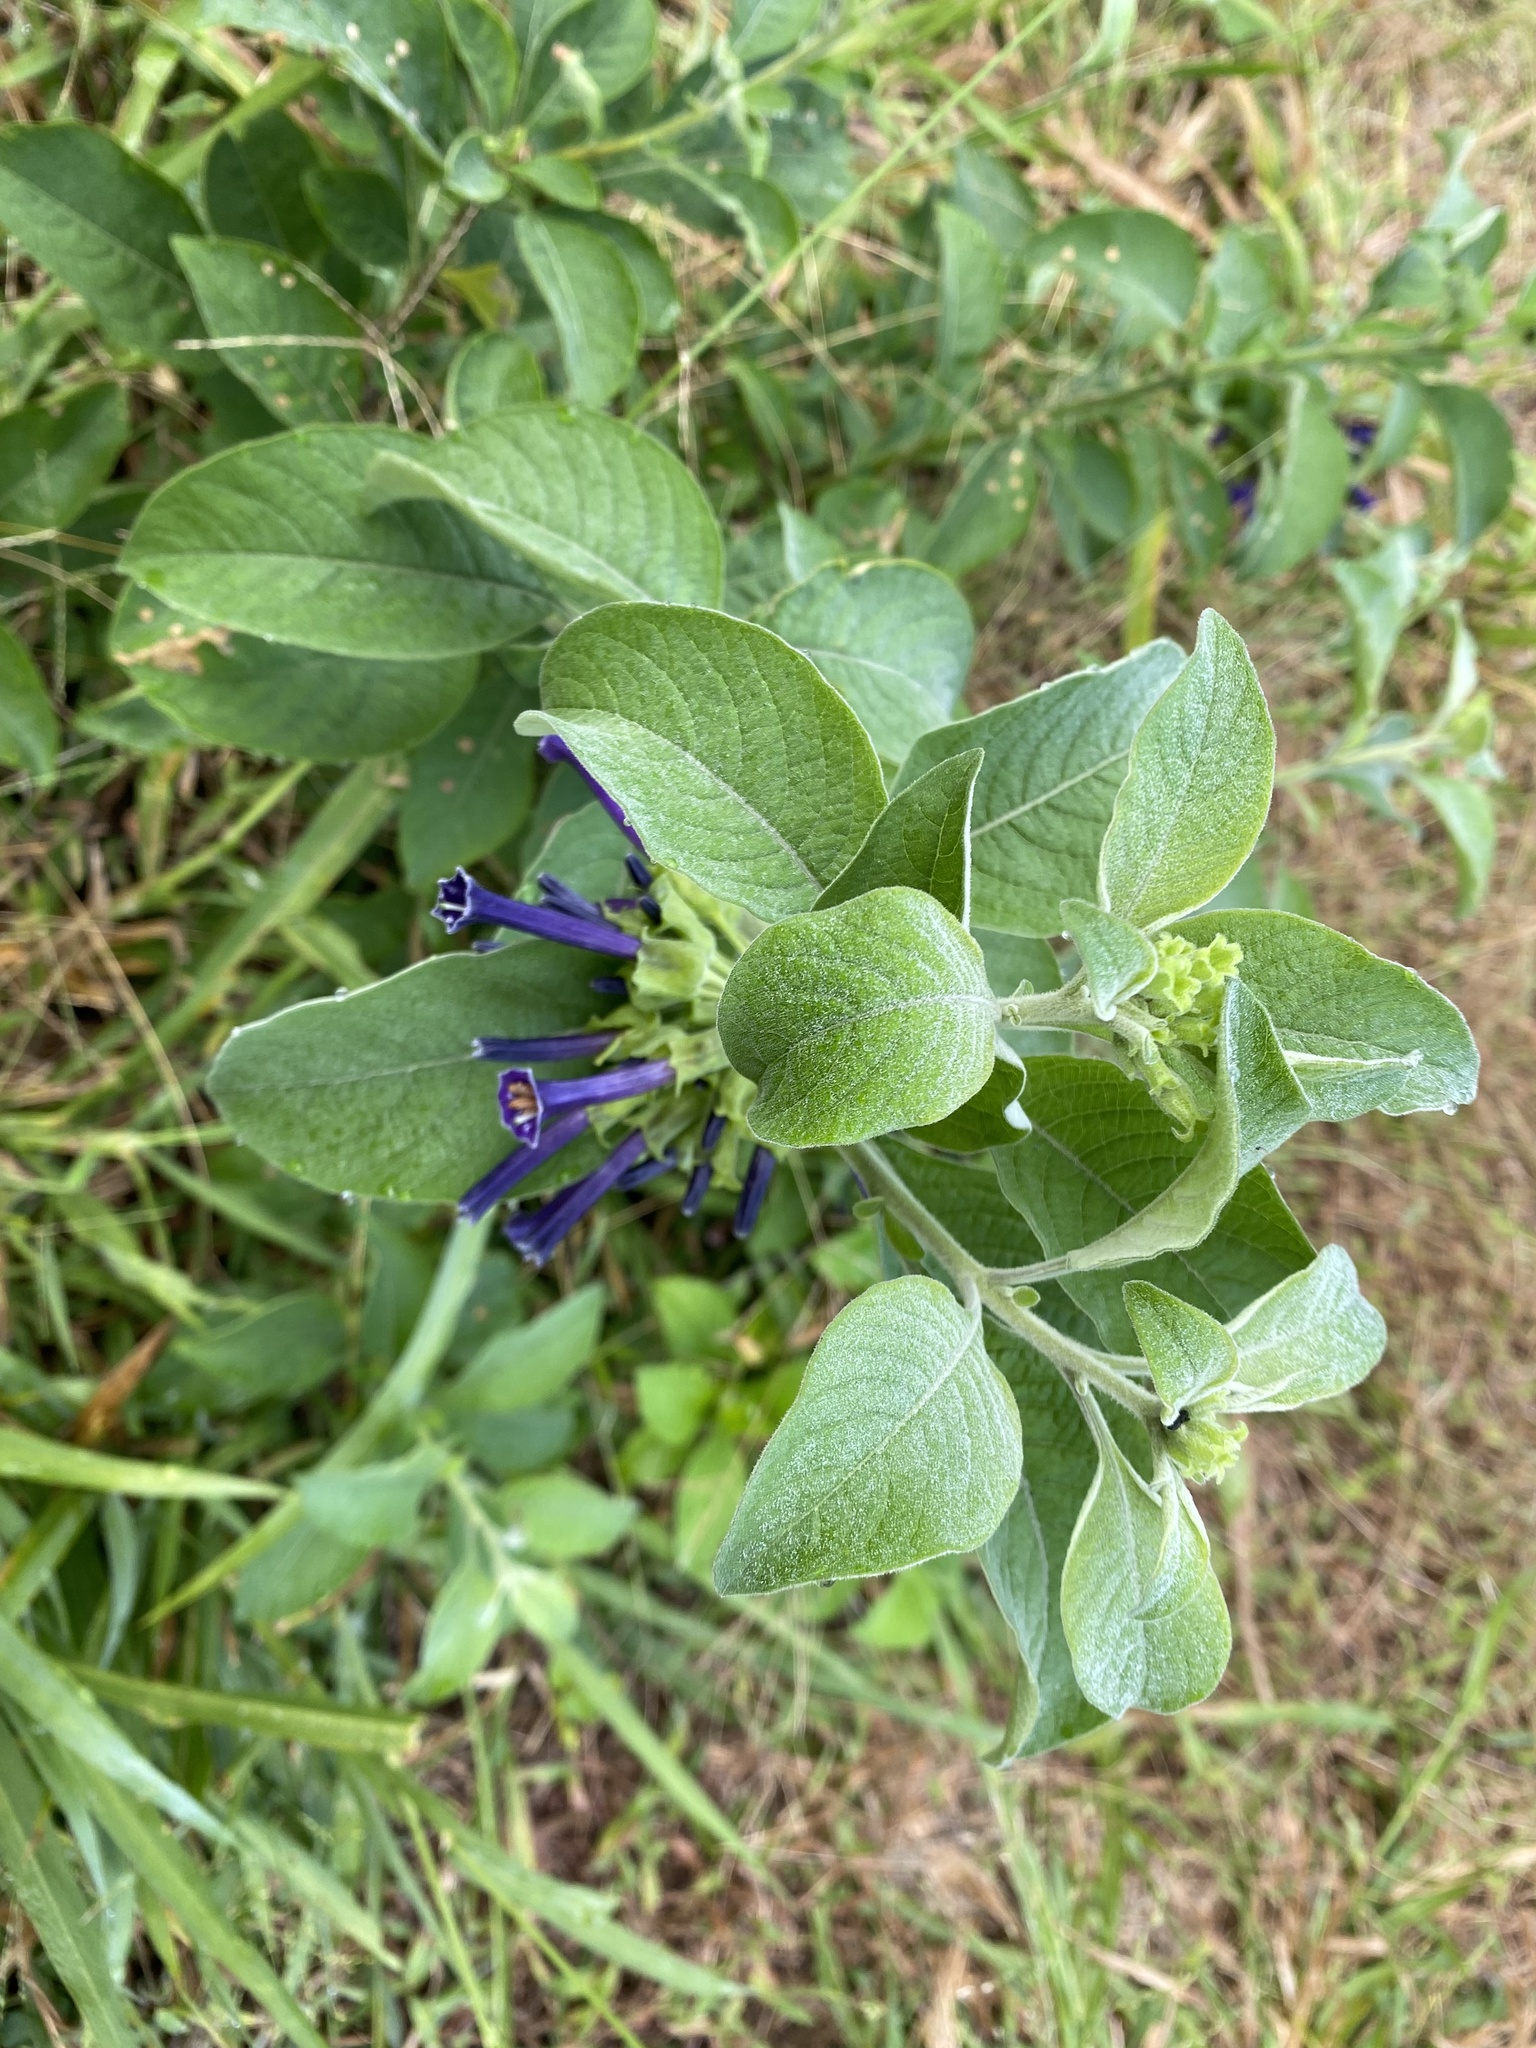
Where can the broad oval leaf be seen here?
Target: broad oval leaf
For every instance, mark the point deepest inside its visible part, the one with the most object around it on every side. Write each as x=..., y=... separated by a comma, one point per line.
x=1359, y=1032
x=1148, y=266
x=921, y=840
x=1053, y=763
x=988, y=511
x=858, y=1020
x=54, y=458
x=260, y=298
x=732, y=758
x=894, y=638
x=1143, y=1611
x=1312, y=1336
x=970, y=287
x=102, y=222
x=269, y=538
x=471, y=783
x=903, y=1444
x=593, y=300
x=601, y=510
x=289, y=702
x=1197, y=791
x=379, y=1092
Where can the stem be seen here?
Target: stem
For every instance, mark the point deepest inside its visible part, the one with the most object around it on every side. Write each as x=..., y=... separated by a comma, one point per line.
x=991, y=1285
x=1051, y=1008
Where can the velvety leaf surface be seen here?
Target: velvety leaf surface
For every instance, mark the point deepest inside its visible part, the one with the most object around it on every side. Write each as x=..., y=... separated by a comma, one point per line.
x=902, y=1444
x=732, y=758
x=1312, y=1336
x=921, y=840
x=859, y=1020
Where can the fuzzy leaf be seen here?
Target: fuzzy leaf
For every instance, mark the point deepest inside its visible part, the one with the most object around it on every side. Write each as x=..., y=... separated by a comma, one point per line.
x=860, y=1019
x=1189, y=1352
x=1117, y=957
x=902, y=1444
x=921, y=840
x=1313, y=1336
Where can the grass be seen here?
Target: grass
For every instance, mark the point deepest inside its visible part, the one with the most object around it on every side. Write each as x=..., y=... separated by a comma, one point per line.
x=1338, y=1851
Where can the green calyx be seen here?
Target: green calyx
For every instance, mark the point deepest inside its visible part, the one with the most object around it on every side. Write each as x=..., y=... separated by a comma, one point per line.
x=1172, y=1024
x=1203, y=1443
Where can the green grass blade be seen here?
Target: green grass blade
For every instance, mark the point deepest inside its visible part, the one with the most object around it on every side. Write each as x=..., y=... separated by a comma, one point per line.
x=373, y=1731
x=239, y=1206
x=45, y=1462
x=307, y=1880
x=36, y=1867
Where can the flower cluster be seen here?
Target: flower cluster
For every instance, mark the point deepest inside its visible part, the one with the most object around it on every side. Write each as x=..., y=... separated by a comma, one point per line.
x=659, y=1087
x=1173, y=1022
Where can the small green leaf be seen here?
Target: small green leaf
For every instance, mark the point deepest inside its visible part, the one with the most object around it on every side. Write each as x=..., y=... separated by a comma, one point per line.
x=1199, y=500
x=471, y=783
x=1301, y=496
x=893, y=638
x=675, y=1400
x=526, y=1364
x=102, y=223
x=487, y=49
x=764, y=28
x=269, y=538
x=862, y=1019
x=709, y=1490
x=695, y=1315
x=54, y=458
x=29, y=727
x=1019, y=1573
x=988, y=1118
x=970, y=287
x=1197, y=790
x=371, y=1504
x=733, y=760
x=1239, y=292
x=902, y=1444
x=491, y=373
x=592, y=298
x=255, y=185
x=601, y=509
x=988, y=511
x=1117, y=958
x=921, y=840
x=991, y=191
x=1189, y=1352
x=904, y=1616
x=1313, y=1336
x=1053, y=762
x=379, y=1092
x=1359, y=1032
x=1141, y=1606
x=1143, y=263
x=1482, y=452
x=561, y=1516
x=1466, y=812
x=467, y=1616
x=362, y=213
x=262, y=297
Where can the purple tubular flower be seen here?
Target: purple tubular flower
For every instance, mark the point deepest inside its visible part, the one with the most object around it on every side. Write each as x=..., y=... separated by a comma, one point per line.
x=462, y=901
x=753, y=1191
x=639, y=873
x=536, y=1234
x=479, y=1200
x=563, y=897
x=568, y=1045
x=608, y=985
x=1241, y=495
x=1359, y=433
x=647, y=1169
x=553, y=748
x=712, y=1129
x=698, y=1187
x=525, y=1101
x=1361, y=498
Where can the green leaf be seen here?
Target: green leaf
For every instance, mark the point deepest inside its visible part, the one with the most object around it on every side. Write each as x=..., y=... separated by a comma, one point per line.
x=491, y=373
x=54, y=458
x=561, y=1516
x=379, y=1092
x=602, y=510
x=989, y=1117
x=281, y=1717
x=1302, y=495
x=290, y=702
x=695, y=1315
x=1380, y=589
x=1313, y=1336
x=397, y=51
x=1199, y=500
x=467, y=1616
x=763, y=28
x=255, y=185
x=590, y=294
x=101, y=222
x=1054, y=762
x=54, y=1703
x=970, y=287
x=281, y=1350
x=1140, y=1604
x=1146, y=265
x=615, y=41
x=1019, y=1574
x=40, y=1461
x=268, y=539
x=991, y=191
x=675, y=1400
x=1240, y=292
x=1197, y=789
x=1482, y=452
x=362, y=213
x=709, y=1490
x=1100, y=1154
x=1189, y=1352
x=29, y=728
x=988, y=511
x=300, y=1566
x=858, y=1020
x=893, y=638
x=1096, y=482
x=36, y=1864
x=487, y=50
x=1466, y=812
x=733, y=760
x=256, y=295
x=902, y=1444
x=905, y=1615
x=471, y=783
x=1360, y=1032
x=921, y=840
x=371, y=1504
x=526, y=1364
x=1117, y=958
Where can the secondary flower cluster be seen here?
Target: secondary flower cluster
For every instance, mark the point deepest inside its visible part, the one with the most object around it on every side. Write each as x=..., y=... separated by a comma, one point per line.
x=1174, y=1017
x=659, y=1088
